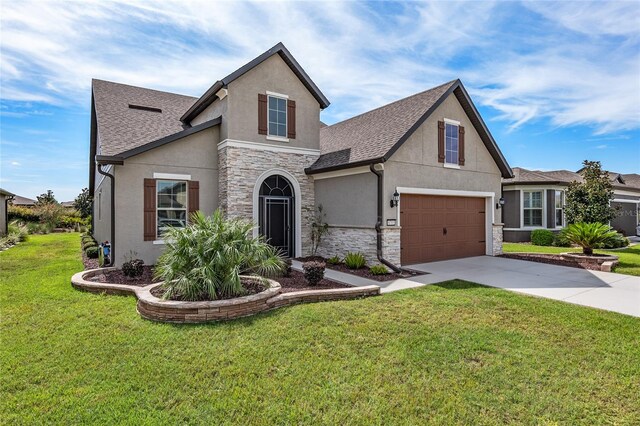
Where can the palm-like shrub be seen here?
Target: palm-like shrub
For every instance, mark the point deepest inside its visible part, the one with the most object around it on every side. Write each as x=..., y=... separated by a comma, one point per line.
x=588, y=235
x=205, y=260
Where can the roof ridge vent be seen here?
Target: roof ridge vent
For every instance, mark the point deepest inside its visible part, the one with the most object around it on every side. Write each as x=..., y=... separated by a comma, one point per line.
x=145, y=108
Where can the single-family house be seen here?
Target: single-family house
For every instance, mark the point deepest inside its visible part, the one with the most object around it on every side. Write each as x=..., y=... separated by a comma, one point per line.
x=413, y=181
x=535, y=199
x=5, y=197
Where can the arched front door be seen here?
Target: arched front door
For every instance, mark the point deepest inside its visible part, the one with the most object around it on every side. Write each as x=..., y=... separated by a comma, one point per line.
x=276, y=213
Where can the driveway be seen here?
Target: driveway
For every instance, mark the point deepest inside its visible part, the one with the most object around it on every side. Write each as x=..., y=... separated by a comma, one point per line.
x=603, y=290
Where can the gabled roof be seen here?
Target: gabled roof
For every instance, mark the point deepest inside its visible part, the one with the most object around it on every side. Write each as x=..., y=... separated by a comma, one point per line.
x=210, y=95
x=129, y=116
x=565, y=177
x=374, y=136
x=5, y=193
x=22, y=201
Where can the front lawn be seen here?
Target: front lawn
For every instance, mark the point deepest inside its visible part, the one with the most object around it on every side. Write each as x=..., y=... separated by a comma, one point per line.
x=629, y=257
x=449, y=353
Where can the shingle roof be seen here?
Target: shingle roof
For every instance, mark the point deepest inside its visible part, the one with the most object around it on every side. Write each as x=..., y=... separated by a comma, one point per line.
x=375, y=135
x=371, y=135
x=121, y=128
x=524, y=176
x=22, y=201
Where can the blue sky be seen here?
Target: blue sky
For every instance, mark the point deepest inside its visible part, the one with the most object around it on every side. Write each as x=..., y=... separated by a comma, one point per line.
x=556, y=82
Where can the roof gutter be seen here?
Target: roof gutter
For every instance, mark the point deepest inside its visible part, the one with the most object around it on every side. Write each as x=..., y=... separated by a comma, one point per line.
x=382, y=260
x=113, y=213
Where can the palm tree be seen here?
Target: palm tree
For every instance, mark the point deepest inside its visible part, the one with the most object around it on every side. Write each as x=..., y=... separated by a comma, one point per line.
x=588, y=235
x=205, y=260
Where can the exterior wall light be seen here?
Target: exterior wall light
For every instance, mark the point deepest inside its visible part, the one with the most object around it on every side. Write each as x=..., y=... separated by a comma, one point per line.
x=500, y=203
x=395, y=199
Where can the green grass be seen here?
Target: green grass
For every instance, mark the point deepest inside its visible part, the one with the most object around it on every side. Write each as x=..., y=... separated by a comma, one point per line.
x=449, y=353
x=629, y=257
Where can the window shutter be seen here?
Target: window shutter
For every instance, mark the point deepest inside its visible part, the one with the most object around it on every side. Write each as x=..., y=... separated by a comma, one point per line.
x=194, y=197
x=440, y=141
x=149, y=200
x=291, y=119
x=461, y=145
x=262, y=114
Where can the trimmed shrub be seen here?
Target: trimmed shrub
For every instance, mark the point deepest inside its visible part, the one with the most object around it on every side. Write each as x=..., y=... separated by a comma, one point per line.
x=92, y=252
x=313, y=272
x=378, y=270
x=133, y=268
x=355, y=260
x=541, y=237
x=24, y=214
x=559, y=240
x=89, y=244
x=617, y=241
x=335, y=260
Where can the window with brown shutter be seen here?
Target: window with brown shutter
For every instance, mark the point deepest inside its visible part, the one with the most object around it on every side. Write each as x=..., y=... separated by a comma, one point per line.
x=262, y=114
x=194, y=196
x=291, y=119
x=440, y=141
x=461, y=145
x=149, y=201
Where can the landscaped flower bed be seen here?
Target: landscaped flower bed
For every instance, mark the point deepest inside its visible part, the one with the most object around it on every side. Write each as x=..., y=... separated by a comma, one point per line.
x=594, y=262
x=363, y=272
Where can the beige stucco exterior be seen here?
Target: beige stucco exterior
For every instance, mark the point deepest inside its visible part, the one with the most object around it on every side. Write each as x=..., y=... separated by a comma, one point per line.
x=3, y=214
x=239, y=109
x=349, y=200
x=102, y=208
x=195, y=155
x=415, y=163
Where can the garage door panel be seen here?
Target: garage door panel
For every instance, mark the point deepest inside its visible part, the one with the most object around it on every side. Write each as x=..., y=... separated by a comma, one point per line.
x=425, y=217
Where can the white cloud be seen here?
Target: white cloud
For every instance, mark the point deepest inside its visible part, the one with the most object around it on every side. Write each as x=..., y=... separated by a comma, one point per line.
x=360, y=55
x=16, y=164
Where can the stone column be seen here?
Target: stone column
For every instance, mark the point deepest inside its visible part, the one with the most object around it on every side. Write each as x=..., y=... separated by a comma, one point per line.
x=497, y=239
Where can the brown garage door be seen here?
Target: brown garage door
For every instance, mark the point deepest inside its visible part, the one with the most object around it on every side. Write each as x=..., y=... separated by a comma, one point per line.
x=439, y=228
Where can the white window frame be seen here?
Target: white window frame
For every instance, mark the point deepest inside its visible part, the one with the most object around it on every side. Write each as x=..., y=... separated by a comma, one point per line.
x=286, y=118
x=544, y=208
x=450, y=122
x=555, y=208
x=159, y=238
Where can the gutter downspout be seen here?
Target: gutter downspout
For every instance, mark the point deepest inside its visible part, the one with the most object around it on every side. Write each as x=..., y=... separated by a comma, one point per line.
x=113, y=213
x=379, y=223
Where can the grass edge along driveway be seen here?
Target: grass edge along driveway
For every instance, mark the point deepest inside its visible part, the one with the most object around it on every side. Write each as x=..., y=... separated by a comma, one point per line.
x=629, y=257
x=449, y=353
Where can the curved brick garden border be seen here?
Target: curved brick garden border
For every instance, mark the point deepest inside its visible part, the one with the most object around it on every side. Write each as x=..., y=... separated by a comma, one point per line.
x=156, y=309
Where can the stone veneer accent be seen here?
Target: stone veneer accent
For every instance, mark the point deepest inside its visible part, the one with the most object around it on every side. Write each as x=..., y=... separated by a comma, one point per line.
x=239, y=169
x=156, y=309
x=344, y=239
x=497, y=239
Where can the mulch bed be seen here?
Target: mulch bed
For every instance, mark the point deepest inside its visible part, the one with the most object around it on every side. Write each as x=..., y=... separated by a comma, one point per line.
x=252, y=286
x=362, y=272
x=296, y=282
x=552, y=259
x=89, y=263
x=117, y=277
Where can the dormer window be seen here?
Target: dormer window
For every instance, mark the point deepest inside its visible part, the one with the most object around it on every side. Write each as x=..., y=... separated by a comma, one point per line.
x=277, y=112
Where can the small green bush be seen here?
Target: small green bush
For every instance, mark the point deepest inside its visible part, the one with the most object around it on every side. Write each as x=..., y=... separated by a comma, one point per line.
x=132, y=268
x=617, y=241
x=18, y=229
x=89, y=244
x=335, y=260
x=589, y=235
x=92, y=252
x=355, y=260
x=313, y=272
x=541, y=237
x=378, y=270
x=559, y=240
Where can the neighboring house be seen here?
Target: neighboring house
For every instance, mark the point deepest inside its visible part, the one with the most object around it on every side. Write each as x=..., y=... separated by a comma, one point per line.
x=5, y=197
x=22, y=201
x=535, y=200
x=254, y=146
x=68, y=204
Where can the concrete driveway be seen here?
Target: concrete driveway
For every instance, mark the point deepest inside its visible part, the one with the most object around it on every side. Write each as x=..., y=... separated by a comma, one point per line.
x=603, y=290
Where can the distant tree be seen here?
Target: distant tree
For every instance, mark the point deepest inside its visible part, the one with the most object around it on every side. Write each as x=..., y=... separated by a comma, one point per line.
x=588, y=201
x=83, y=203
x=46, y=198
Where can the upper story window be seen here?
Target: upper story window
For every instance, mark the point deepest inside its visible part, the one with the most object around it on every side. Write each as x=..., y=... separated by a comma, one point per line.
x=450, y=143
x=277, y=112
x=532, y=208
x=559, y=209
x=171, y=205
